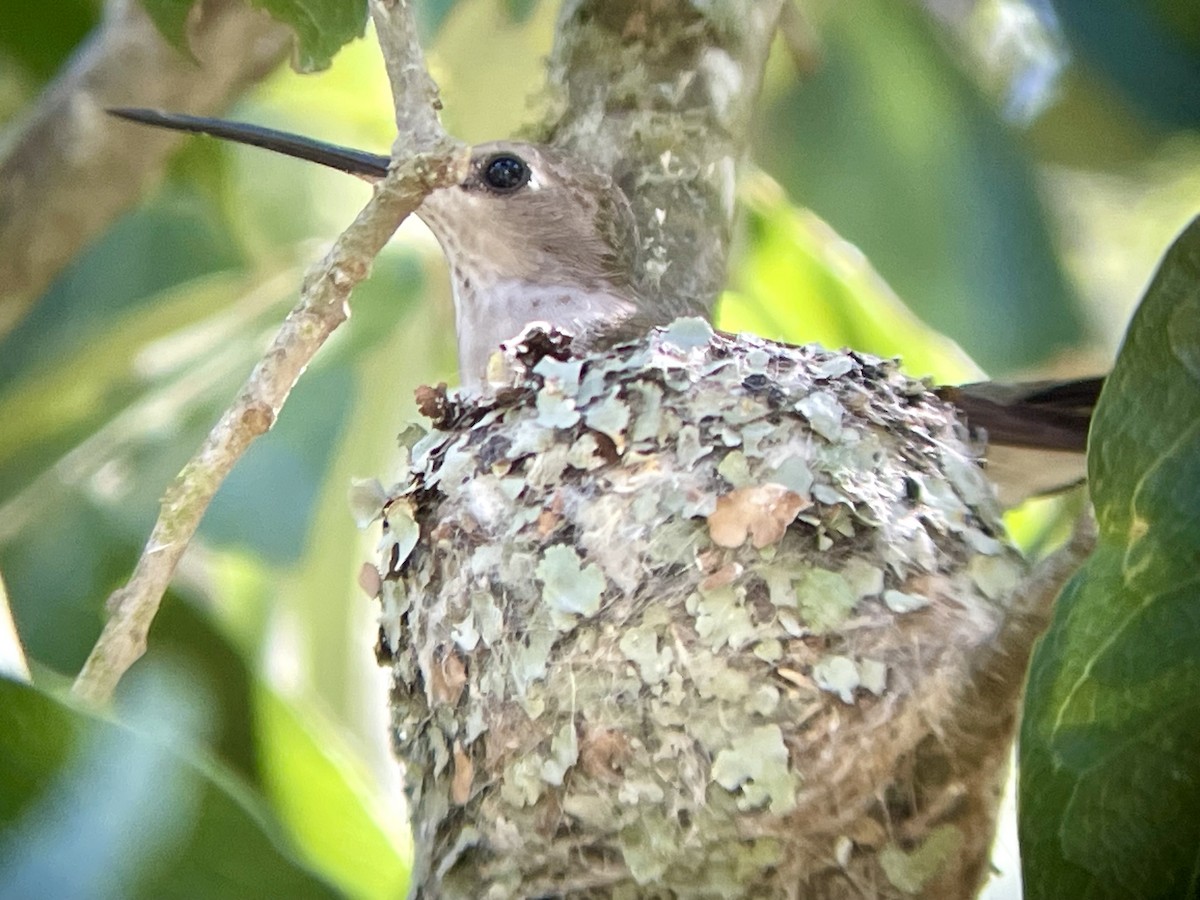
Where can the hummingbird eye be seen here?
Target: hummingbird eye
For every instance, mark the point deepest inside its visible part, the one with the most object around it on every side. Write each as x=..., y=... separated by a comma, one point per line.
x=505, y=173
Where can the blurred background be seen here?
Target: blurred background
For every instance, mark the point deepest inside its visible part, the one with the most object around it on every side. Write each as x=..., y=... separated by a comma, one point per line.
x=979, y=186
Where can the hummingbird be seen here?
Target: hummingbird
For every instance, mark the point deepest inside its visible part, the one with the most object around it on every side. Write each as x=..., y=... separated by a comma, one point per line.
x=533, y=234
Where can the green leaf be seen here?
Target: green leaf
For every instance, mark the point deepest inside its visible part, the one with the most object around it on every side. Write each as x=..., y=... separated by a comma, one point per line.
x=37, y=37
x=91, y=808
x=1110, y=742
x=431, y=16
x=328, y=805
x=797, y=280
x=1150, y=49
x=170, y=18
x=321, y=26
x=896, y=148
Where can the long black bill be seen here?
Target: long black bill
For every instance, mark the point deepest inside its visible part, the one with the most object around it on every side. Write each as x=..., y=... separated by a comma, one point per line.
x=370, y=166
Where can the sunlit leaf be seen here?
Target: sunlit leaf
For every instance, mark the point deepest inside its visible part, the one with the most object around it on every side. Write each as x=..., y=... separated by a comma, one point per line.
x=799, y=281
x=327, y=804
x=1110, y=742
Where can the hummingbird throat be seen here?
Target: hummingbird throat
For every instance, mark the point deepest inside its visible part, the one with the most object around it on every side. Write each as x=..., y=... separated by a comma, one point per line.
x=487, y=314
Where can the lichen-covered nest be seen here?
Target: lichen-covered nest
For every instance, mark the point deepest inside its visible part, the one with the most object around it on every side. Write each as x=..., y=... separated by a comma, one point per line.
x=696, y=616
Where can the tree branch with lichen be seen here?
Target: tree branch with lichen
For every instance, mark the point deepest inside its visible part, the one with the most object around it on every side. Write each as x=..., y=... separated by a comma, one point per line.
x=431, y=159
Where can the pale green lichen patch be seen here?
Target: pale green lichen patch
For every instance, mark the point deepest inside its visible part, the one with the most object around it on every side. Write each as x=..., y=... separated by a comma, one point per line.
x=610, y=416
x=824, y=414
x=824, y=598
x=910, y=872
x=734, y=469
x=996, y=576
x=900, y=602
x=400, y=535
x=688, y=447
x=838, y=675
x=794, y=474
x=563, y=374
x=564, y=753
x=648, y=847
x=649, y=417
x=873, y=675
x=640, y=646
x=688, y=333
x=756, y=764
x=523, y=783
x=555, y=410
x=722, y=619
x=366, y=497
x=865, y=578
x=569, y=586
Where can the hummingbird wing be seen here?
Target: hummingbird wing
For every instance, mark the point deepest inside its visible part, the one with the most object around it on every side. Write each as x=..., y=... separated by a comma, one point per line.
x=1036, y=432
x=368, y=166
x=1050, y=415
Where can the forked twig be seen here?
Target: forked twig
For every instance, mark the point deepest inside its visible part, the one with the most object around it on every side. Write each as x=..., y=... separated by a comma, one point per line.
x=425, y=158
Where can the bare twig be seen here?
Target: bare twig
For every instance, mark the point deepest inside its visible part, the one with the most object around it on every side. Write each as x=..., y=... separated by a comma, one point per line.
x=660, y=94
x=433, y=161
x=414, y=93
x=70, y=170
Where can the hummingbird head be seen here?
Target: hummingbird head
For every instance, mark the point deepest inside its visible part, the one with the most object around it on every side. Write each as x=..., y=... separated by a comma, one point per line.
x=533, y=235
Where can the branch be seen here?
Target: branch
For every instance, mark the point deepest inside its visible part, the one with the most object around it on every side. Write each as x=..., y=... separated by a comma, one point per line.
x=70, y=172
x=435, y=161
x=661, y=92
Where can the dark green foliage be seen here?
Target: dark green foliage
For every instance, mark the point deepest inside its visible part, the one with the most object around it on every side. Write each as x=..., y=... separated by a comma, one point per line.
x=1110, y=745
x=322, y=26
x=1150, y=49
x=92, y=808
x=896, y=148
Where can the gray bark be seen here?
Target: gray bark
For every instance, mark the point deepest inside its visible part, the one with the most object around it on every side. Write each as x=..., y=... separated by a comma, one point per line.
x=661, y=95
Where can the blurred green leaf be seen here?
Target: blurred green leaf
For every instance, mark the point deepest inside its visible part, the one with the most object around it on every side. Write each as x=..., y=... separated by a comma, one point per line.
x=170, y=18
x=97, y=809
x=431, y=16
x=59, y=27
x=1150, y=49
x=798, y=281
x=322, y=27
x=1110, y=741
x=179, y=237
x=519, y=11
x=265, y=504
x=896, y=148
